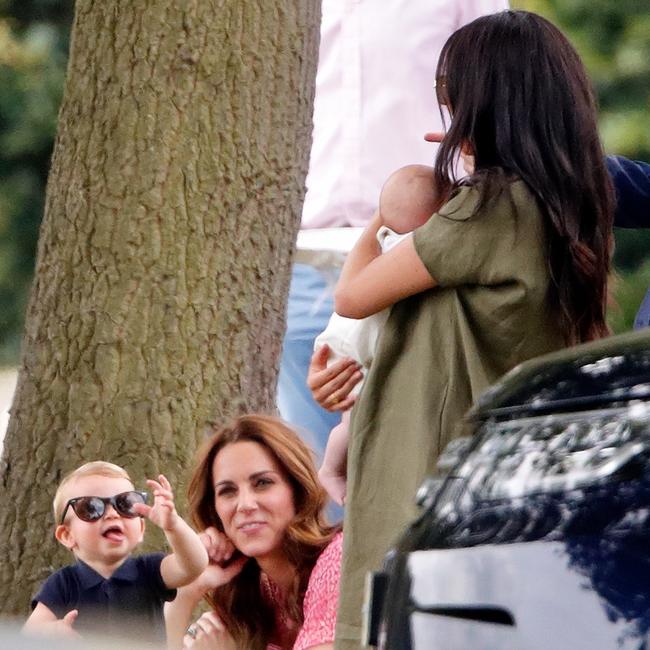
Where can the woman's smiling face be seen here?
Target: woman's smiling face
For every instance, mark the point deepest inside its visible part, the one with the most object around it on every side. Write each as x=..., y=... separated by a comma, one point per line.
x=253, y=498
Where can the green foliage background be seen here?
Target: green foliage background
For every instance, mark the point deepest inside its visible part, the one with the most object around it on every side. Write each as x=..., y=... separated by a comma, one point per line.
x=33, y=50
x=612, y=36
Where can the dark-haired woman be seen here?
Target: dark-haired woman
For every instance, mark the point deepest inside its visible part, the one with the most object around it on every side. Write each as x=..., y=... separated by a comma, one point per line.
x=273, y=576
x=514, y=264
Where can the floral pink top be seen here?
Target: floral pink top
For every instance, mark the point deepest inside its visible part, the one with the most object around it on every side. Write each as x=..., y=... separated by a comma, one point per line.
x=321, y=600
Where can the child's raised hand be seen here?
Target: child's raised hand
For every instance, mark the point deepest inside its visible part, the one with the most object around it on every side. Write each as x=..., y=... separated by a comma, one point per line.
x=162, y=512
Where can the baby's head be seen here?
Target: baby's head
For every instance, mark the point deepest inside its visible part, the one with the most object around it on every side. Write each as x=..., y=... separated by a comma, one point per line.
x=408, y=198
x=94, y=513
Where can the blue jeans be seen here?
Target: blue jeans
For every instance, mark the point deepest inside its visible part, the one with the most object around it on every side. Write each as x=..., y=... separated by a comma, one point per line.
x=643, y=317
x=311, y=304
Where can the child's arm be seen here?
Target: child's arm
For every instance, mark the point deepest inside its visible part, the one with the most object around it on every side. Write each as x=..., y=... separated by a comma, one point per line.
x=43, y=622
x=189, y=556
x=333, y=470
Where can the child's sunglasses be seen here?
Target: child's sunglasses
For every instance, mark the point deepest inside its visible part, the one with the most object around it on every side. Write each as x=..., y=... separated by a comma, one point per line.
x=93, y=508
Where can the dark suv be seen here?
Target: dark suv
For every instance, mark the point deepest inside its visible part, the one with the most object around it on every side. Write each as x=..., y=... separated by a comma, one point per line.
x=536, y=534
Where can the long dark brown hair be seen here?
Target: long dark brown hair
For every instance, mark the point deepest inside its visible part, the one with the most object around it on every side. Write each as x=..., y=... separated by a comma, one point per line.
x=240, y=604
x=520, y=98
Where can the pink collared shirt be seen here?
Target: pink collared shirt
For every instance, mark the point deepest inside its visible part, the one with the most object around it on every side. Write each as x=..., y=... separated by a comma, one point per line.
x=375, y=98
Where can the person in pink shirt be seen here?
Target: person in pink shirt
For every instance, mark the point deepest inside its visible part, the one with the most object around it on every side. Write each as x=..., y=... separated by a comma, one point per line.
x=374, y=99
x=273, y=578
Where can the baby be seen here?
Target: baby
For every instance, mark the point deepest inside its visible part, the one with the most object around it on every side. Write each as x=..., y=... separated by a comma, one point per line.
x=99, y=517
x=407, y=201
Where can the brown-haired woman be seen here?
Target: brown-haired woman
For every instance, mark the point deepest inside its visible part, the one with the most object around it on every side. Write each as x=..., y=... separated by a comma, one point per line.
x=272, y=582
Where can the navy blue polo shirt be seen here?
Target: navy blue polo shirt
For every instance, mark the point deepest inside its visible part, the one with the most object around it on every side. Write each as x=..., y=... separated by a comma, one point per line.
x=128, y=604
x=632, y=183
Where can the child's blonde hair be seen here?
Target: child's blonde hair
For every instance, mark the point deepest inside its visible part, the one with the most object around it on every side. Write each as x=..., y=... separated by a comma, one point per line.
x=94, y=468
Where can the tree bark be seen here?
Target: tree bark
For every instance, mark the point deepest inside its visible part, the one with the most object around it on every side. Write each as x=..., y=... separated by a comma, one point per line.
x=164, y=256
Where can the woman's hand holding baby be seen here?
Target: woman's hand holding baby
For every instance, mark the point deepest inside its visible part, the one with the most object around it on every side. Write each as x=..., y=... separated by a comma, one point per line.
x=331, y=385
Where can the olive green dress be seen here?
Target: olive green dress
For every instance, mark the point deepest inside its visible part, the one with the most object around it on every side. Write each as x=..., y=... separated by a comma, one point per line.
x=438, y=352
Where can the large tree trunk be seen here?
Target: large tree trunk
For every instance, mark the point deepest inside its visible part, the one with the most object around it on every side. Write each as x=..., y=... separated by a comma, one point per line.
x=164, y=257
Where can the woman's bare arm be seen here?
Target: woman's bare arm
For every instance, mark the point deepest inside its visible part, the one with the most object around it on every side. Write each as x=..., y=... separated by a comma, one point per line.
x=371, y=281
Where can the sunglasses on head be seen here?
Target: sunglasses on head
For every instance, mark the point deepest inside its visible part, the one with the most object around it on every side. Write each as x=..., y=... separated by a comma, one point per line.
x=440, y=86
x=93, y=508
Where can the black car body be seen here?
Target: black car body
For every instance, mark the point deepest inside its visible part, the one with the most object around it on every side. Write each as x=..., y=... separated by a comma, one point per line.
x=537, y=535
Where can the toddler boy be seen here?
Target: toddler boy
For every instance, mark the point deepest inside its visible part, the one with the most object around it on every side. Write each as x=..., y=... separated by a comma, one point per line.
x=99, y=517
x=407, y=201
